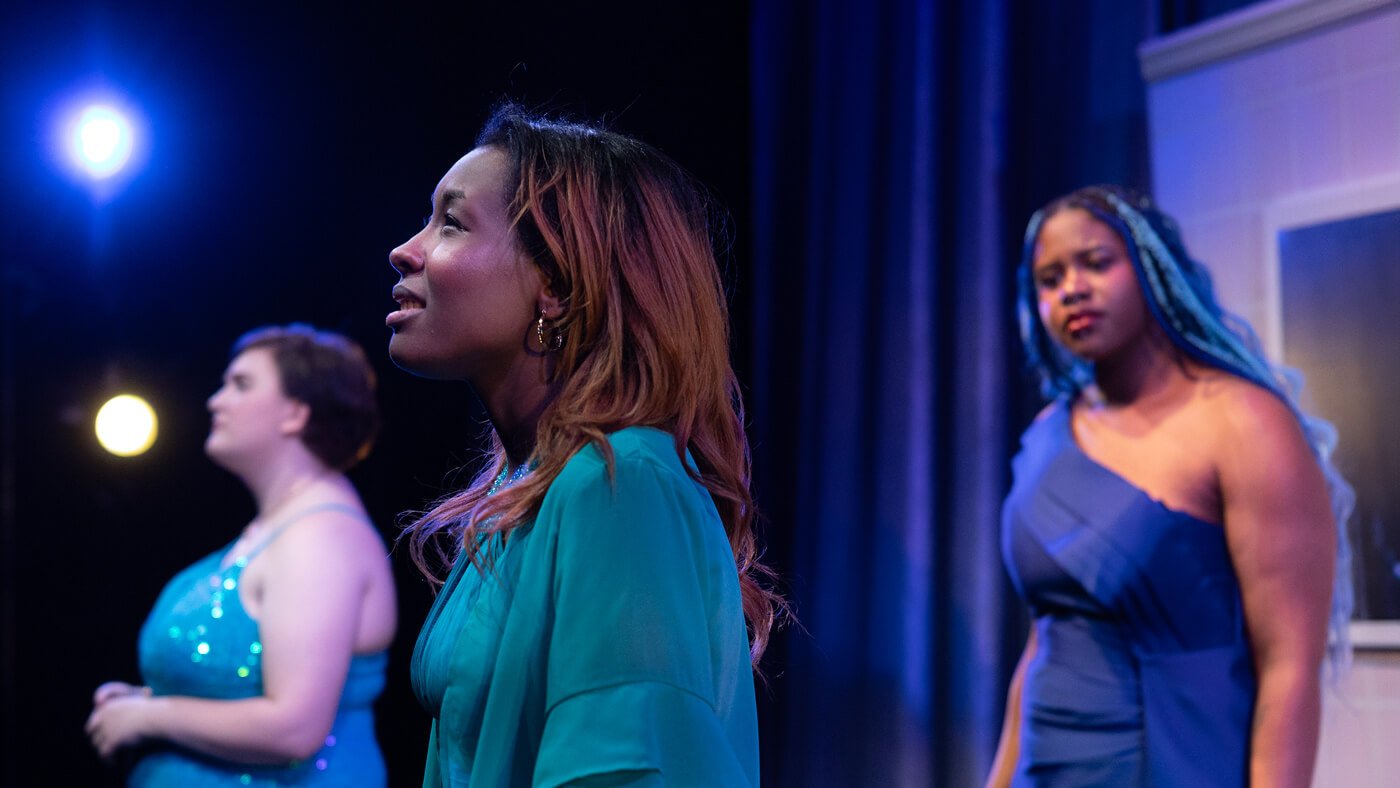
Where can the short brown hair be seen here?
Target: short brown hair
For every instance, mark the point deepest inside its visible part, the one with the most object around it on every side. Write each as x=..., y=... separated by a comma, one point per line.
x=331, y=375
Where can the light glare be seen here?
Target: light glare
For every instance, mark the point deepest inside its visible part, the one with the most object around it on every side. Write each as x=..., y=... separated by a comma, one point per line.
x=102, y=141
x=126, y=425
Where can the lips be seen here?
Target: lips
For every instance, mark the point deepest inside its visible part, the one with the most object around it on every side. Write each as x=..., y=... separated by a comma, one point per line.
x=1082, y=321
x=409, y=305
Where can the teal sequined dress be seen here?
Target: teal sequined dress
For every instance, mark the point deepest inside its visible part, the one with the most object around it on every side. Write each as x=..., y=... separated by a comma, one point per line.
x=198, y=641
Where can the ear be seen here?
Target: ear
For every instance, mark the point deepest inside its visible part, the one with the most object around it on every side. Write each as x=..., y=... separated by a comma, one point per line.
x=548, y=303
x=296, y=418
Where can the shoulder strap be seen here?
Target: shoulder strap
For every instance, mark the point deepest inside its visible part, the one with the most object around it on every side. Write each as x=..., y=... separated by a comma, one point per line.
x=296, y=516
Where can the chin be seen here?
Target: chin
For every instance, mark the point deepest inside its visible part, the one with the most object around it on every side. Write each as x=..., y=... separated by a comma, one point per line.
x=403, y=356
x=219, y=458
x=1089, y=355
x=1099, y=352
x=215, y=446
x=1085, y=351
x=1095, y=347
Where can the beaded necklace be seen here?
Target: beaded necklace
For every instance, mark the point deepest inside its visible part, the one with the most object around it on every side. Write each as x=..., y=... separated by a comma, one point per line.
x=508, y=478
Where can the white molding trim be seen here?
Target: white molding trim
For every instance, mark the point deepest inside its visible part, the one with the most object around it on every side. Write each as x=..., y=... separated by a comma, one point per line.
x=1359, y=198
x=1375, y=635
x=1247, y=29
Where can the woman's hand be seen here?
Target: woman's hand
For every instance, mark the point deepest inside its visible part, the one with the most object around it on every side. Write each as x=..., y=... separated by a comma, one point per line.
x=119, y=717
x=312, y=587
x=117, y=689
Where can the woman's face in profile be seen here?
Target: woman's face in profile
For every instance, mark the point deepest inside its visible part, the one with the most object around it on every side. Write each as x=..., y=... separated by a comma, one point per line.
x=1087, y=292
x=249, y=414
x=467, y=294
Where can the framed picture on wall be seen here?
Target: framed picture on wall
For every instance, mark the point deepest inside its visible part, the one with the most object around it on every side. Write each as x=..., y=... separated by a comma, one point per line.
x=1334, y=262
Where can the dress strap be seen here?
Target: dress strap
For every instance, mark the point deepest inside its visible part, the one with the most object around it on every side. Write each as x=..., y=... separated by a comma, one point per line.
x=286, y=522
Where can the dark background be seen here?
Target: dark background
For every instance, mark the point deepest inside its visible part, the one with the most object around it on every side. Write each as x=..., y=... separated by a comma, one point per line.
x=291, y=146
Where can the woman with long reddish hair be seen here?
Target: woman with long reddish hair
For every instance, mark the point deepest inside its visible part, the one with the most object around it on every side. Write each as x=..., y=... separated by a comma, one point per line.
x=603, y=613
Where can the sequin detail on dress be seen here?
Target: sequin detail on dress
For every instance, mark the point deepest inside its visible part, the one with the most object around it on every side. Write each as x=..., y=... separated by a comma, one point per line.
x=199, y=641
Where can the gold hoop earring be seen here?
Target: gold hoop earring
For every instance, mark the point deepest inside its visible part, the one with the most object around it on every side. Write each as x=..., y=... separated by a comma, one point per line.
x=552, y=341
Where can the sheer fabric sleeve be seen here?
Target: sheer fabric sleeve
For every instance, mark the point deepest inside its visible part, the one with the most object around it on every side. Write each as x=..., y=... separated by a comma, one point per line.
x=644, y=588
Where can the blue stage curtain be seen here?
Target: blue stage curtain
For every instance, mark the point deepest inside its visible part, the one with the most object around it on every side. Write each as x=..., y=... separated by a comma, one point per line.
x=881, y=351
x=898, y=149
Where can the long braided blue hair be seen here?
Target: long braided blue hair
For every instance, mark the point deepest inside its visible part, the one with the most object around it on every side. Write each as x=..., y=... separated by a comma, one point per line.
x=1179, y=295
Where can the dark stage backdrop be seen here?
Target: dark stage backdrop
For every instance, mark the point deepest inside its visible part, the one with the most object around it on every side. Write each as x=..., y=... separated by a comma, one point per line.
x=882, y=366
x=292, y=147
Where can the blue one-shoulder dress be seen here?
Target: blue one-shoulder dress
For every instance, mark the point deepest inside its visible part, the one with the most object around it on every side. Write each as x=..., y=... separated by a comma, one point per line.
x=1143, y=674
x=198, y=641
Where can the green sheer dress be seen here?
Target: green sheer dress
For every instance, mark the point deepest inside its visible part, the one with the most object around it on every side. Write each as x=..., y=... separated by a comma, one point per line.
x=604, y=643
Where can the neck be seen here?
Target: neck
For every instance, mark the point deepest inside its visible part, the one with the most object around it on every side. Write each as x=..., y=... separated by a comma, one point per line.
x=515, y=403
x=1143, y=372
x=280, y=480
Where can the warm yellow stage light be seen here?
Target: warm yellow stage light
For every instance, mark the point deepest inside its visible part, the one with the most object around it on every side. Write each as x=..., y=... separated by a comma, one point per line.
x=126, y=425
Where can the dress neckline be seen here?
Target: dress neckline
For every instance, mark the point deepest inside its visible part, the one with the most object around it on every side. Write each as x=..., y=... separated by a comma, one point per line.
x=276, y=530
x=1064, y=413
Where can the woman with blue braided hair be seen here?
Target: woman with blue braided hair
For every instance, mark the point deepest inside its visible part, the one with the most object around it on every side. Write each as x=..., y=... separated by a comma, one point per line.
x=1175, y=524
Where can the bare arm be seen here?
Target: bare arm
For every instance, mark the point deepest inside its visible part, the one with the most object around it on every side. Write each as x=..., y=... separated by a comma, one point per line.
x=314, y=586
x=1009, y=748
x=1280, y=531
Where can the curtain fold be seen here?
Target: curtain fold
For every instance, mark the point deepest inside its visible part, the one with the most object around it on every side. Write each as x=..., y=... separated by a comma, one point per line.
x=881, y=369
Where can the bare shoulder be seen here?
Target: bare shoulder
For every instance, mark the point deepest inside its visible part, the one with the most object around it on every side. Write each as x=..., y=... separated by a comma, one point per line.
x=1244, y=414
x=335, y=534
x=1258, y=443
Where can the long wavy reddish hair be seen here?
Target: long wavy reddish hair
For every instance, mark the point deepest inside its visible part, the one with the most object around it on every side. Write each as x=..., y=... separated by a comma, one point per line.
x=623, y=235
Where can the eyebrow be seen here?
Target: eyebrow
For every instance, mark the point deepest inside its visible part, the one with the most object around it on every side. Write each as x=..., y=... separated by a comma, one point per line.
x=452, y=195
x=1080, y=254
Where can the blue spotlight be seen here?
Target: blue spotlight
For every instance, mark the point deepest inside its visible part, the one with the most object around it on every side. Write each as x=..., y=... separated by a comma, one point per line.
x=101, y=141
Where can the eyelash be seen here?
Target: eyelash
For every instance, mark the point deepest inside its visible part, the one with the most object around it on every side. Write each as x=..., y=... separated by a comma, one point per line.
x=1095, y=264
x=448, y=220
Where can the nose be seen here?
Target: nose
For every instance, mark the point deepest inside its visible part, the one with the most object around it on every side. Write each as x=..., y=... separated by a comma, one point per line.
x=213, y=401
x=1074, y=287
x=407, y=257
